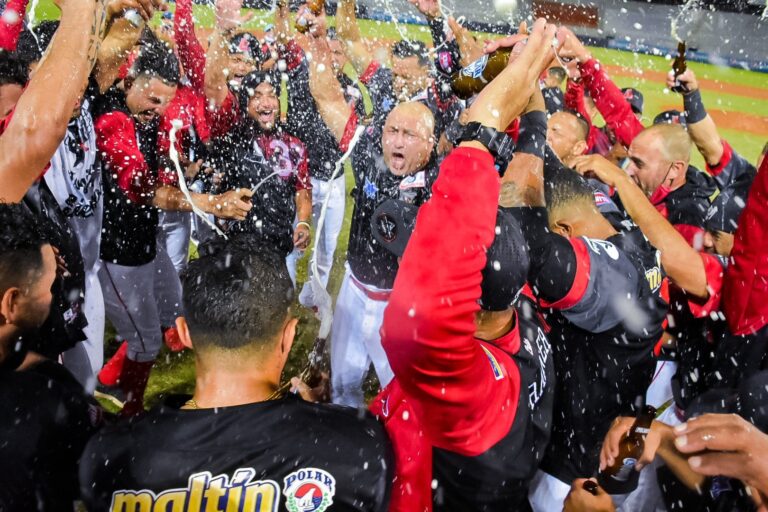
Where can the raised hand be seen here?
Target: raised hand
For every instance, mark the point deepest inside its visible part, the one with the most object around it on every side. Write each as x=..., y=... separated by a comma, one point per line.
x=687, y=79
x=470, y=48
x=570, y=47
x=228, y=14
x=429, y=8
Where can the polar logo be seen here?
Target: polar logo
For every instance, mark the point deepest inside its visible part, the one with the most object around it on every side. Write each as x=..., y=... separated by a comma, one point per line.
x=475, y=70
x=309, y=490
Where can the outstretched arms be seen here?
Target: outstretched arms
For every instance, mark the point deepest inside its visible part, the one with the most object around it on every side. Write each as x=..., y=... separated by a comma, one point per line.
x=38, y=124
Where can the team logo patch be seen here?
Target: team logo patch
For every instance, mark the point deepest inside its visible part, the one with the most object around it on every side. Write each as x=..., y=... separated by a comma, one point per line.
x=475, y=70
x=370, y=189
x=309, y=490
x=498, y=374
x=654, y=277
x=601, y=199
x=445, y=60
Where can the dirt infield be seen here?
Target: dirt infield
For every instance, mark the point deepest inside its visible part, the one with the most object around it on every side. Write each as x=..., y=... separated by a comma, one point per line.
x=710, y=85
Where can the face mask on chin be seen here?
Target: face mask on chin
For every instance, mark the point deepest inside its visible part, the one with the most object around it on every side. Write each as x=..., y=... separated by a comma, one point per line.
x=660, y=194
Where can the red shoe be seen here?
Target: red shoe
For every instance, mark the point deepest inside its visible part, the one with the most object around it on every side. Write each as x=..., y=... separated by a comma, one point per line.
x=110, y=372
x=133, y=382
x=172, y=339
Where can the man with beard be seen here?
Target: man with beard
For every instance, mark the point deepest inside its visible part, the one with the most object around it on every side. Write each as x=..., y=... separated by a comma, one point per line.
x=269, y=162
x=134, y=187
x=45, y=421
x=395, y=159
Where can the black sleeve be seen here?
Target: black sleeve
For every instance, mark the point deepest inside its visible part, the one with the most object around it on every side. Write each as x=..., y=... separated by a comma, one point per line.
x=447, y=56
x=552, y=260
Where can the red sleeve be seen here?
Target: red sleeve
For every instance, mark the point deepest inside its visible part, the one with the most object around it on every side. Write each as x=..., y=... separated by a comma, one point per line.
x=611, y=103
x=293, y=54
x=692, y=234
x=715, y=170
x=745, y=293
x=119, y=149
x=580, y=279
x=429, y=324
x=349, y=132
x=222, y=119
x=412, y=484
x=11, y=23
x=373, y=67
x=191, y=53
x=714, y=270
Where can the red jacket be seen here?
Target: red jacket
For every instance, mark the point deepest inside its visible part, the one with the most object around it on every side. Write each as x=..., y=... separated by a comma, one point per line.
x=11, y=24
x=440, y=368
x=745, y=294
x=611, y=103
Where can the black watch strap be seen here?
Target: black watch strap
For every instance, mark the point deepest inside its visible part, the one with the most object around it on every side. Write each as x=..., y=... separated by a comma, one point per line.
x=499, y=144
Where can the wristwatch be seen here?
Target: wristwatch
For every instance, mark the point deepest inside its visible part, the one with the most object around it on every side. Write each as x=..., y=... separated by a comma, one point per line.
x=499, y=144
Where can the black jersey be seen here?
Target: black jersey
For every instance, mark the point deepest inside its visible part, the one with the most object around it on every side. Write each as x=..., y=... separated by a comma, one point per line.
x=129, y=229
x=305, y=123
x=271, y=456
x=371, y=263
x=498, y=479
x=45, y=422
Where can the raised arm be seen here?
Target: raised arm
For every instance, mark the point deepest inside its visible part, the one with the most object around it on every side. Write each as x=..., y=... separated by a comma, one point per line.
x=428, y=330
x=39, y=124
x=348, y=31
x=228, y=18
x=682, y=262
x=191, y=52
x=121, y=38
x=325, y=87
x=607, y=96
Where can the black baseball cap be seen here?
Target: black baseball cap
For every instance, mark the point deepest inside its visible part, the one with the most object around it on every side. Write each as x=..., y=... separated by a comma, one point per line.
x=671, y=117
x=507, y=264
x=635, y=99
x=724, y=212
x=246, y=44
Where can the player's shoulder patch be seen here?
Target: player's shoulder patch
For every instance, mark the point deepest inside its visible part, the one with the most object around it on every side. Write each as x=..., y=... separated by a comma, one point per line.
x=602, y=247
x=498, y=373
x=309, y=490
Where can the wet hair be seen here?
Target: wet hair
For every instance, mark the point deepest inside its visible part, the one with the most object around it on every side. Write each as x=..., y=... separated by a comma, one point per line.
x=22, y=235
x=12, y=70
x=405, y=48
x=156, y=60
x=563, y=186
x=581, y=122
x=558, y=73
x=675, y=144
x=234, y=296
x=33, y=43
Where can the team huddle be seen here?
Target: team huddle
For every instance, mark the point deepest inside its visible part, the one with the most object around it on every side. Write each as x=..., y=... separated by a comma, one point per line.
x=560, y=315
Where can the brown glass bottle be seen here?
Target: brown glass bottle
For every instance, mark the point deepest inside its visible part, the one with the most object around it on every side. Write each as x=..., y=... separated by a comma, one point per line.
x=679, y=66
x=316, y=7
x=621, y=477
x=471, y=79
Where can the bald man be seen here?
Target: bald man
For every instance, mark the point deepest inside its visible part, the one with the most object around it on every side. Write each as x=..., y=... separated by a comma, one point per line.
x=395, y=158
x=659, y=162
x=567, y=133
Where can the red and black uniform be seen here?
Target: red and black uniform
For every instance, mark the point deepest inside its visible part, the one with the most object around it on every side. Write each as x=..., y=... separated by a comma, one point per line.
x=477, y=411
x=284, y=454
x=275, y=162
x=131, y=175
x=304, y=120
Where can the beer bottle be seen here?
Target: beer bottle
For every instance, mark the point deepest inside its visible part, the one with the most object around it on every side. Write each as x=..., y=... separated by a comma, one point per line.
x=679, y=66
x=621, y=477
x=316, y=7
x=471, y=79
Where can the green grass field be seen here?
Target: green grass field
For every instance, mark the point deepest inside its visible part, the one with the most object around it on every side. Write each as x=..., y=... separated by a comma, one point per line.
x=175, y=372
